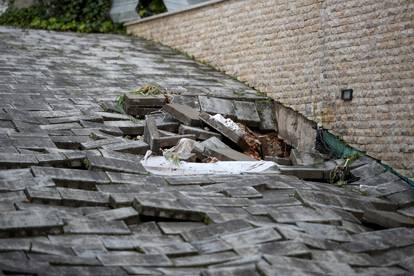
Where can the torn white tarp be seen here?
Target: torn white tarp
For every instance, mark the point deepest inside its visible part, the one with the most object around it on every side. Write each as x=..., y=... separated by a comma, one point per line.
x=161, y=166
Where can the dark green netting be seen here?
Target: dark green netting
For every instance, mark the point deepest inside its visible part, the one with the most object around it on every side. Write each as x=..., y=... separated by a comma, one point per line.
x=341, y=149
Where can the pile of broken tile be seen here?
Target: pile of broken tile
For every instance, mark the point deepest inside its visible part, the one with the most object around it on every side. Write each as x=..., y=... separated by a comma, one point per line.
x=76, y=200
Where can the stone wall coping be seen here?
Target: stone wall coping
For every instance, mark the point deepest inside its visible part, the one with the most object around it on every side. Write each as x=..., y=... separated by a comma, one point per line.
x=166, y=14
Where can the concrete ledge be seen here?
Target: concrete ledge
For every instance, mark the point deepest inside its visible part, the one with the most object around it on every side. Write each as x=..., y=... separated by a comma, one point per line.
x=166, y=14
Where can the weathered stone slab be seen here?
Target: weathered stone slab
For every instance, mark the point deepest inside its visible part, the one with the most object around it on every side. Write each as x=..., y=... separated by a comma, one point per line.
x=21, y=223
x=380, y=240
x=127, y=214
x=70, y=142
x=216, y=106
x=250, y=237
x=75, y=119
x=95, y=144
x=246, y=112
x=307, y=173
x=409, y=211
x=111, y=116
x=43, y=195
x=39, y=143
x=132, y=99
x=215, y=230
x=15, y=160
x=324, y=231
x=141, y=111
x=173, y=228
x=71, y=176
x=386, y=189
x=75, y=197
x=135, y=260
x=236, y=137
x=293, y=214
x=211, y=246
x=199, y=133
x=60, y=126
x=127, y=188
x=403, y=199
x=133, y=242
x=15, y=244
x=188, y=180
x=17, y=184
x=343, y=257
x=171, y=208
x=50, y=249
x=369, y=170
x=51, y=159
x=131, y=128
x=133, y=147
x=150, y=229
x=267, y=115
x=308, y=266
x=98, y=163
x=229, y=155
x=96, y=227
x=314, y=198
x=172, y=250
x=204, y=260
x=387, y=219
x=128, y=178
x=183, y=113
x=217, y=201
x=64, y=260
x=278, y=248
x=115, y=131
x=151, y=134
x=294, y=128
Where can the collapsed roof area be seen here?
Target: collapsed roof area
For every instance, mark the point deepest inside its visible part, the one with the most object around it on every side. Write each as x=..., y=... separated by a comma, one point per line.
x=186, y=177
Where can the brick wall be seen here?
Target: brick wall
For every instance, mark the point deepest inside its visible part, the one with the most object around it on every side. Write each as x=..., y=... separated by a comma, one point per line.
x=303, y=52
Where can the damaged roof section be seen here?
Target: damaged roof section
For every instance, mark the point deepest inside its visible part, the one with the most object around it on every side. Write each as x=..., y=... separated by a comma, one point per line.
x=80, y=193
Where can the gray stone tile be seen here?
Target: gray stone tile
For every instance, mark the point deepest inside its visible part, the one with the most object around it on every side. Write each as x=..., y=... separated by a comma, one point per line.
x=183, y=113
x=215, y=230
x=232, y=271
x=72, y=176
x=96, y=227
x=76, y=197
x=206, y=259
x=250, y=237
x=325, y=231
x=135, y=260
x=294, y=214
x=171, y=228
x=21, y=223
x=127, y=214
x=199, y=133
x=98, y=163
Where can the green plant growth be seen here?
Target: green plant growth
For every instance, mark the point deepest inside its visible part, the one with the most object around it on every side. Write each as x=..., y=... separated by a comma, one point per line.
x=340, y=173
x=149, y=90
x=64, y=15
x=150, y=7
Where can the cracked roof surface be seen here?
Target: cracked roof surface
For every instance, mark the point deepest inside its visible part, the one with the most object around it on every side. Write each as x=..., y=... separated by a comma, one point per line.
x=57, y=218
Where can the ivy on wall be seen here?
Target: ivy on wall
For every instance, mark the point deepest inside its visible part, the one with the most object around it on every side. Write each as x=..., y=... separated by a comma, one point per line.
x=150, y=7
x=64, y=15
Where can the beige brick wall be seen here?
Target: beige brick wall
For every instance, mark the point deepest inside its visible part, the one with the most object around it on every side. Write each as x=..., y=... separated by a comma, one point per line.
x=302, y=52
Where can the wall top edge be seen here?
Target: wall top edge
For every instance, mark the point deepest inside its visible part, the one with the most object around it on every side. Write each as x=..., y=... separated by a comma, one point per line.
x=166, y=14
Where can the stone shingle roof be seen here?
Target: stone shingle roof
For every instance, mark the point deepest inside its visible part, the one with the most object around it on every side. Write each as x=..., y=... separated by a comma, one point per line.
x=57, y=218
